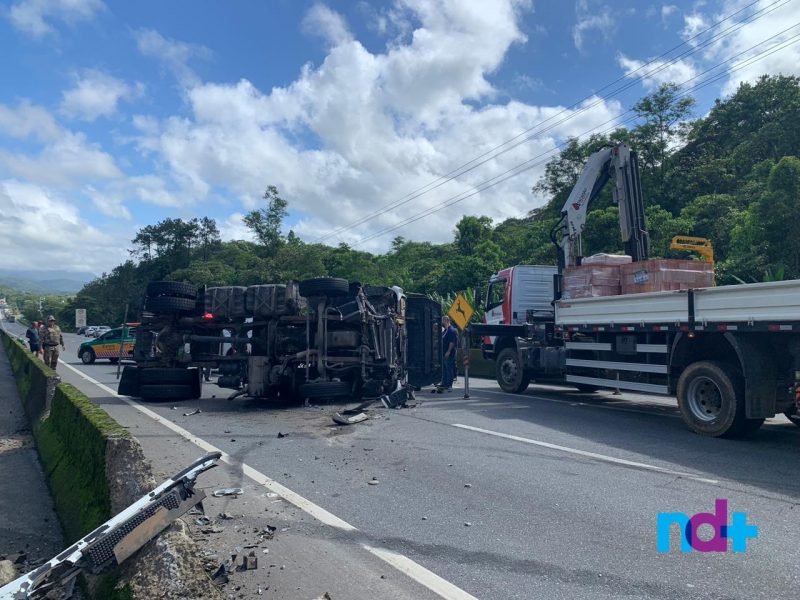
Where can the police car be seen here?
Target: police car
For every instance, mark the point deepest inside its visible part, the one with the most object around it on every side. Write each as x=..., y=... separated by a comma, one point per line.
x=107, y=346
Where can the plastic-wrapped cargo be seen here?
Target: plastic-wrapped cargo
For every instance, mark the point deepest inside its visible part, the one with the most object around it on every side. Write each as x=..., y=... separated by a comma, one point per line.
x=272, y=300
x=227, y=302
x=607, y=260
x=664, y=274
x=590, y=281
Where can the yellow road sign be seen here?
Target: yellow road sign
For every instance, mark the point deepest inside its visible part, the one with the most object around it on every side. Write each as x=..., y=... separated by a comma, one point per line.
x=461, y=312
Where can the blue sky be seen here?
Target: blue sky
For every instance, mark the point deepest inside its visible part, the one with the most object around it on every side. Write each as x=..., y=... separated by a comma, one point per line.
x=114, y=115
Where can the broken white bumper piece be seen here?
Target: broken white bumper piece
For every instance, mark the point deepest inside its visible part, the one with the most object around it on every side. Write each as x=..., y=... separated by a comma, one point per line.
x=116, y=539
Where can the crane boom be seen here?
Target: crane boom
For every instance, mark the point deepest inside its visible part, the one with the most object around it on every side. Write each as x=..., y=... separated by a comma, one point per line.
x=620, y=163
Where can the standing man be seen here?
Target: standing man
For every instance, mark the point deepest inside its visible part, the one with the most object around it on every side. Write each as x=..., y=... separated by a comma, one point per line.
x=33, y=337
x=449, y=345
x=52, y=340
x=42, y=329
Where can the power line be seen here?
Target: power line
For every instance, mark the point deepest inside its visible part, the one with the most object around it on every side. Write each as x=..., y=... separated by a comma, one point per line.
x=530, y=164
x=469, y=166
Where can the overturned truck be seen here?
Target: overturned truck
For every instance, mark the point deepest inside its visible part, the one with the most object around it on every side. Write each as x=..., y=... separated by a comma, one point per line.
x=319, y=338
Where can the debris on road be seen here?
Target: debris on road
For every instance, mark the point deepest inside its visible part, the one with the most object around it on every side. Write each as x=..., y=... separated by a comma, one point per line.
x=467, y=485
x=236, y=492
x=467, y=524
x=225, y=516
x=118, y=538
x=203, y=521
x=342, y=419
x=196, y=411
x=8, y=572
x=282, y=435
x=249, y=562
x=373, y=481
x=267, y=533
x=220, y=576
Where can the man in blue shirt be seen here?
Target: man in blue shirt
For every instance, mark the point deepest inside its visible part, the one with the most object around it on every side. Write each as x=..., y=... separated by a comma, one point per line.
x=449, y=345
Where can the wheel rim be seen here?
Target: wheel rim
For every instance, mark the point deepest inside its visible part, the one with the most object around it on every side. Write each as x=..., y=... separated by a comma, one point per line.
x=509, y=370
x=704, y=399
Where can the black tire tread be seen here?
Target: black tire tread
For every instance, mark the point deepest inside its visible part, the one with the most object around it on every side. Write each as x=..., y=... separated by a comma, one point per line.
x=737, y=423
x=177, y=289
x=324, y=286
x=94, y=356
x=169, y=304
x=524, y=380
x=166, y=376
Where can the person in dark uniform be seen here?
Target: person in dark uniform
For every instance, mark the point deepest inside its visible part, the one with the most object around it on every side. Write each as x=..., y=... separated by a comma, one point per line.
x=449, y=345
x=33, y=338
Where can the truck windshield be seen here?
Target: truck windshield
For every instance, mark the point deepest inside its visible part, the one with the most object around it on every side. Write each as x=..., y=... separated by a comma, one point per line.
x=496, y=294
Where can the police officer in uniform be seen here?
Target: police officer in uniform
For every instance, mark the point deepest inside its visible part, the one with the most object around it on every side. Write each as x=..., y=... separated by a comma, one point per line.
x=51, y=341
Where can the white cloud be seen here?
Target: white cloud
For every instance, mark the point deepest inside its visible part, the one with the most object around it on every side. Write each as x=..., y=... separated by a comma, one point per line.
x=233, y=228
x=740, y=49
x=96, y=94
x=322, y=21
x=174, y=55
x=657, y=71
x=28, y=120
x=667, y=10
x=35, y=16
x=66, y=158
x=362, y=129
x=591, y=15
x=107, y=203
x=693, y=24
x=28, y=210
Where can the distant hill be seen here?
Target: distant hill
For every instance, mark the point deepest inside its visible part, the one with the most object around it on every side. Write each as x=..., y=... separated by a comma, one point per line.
x=44, y=282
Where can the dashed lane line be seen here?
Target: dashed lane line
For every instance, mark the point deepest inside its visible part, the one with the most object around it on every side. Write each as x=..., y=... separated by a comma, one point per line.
x=587, y=454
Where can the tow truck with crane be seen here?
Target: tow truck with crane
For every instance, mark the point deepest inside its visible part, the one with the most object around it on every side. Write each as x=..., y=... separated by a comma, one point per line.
x=730, y=354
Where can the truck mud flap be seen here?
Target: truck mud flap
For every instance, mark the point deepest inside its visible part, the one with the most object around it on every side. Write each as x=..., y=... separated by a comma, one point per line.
x=129, y=382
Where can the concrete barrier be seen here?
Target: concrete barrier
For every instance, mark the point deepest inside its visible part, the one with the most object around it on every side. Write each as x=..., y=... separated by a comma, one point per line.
x=94, y=469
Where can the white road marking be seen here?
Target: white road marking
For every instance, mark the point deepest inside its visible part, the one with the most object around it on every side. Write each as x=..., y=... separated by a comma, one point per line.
x=414, y=570
x=593, y=455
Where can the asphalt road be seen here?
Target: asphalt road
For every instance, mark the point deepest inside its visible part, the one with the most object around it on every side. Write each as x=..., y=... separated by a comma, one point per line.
x=548, y=494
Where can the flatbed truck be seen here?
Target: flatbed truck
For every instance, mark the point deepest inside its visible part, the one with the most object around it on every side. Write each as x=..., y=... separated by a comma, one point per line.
x=730, y=354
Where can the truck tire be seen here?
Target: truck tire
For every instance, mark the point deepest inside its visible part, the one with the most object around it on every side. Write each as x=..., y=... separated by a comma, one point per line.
x=169, y=304
x=711, y=400
x=167, y=376
x=176, y=289
x=324, y=286
x=511, y=376
x=325, y=389
x=154, y=393
x=88, y=356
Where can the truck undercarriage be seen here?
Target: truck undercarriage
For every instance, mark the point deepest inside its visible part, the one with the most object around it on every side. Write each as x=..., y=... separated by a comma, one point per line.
x=319, y=338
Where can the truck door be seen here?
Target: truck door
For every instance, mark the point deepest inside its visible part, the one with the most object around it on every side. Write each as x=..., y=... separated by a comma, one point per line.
x=424, y=339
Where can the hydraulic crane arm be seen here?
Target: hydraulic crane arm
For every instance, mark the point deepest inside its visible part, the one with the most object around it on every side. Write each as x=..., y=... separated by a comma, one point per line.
x=621, y=164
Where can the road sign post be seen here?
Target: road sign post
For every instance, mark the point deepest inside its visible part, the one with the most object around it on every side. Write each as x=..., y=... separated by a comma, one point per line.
x=80, y=317
x=460, y=313
x=465, y=338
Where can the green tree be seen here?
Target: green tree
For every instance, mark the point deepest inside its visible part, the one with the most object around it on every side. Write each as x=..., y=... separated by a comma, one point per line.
x=774, y=219
x=266, y=223
x=471, y=231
